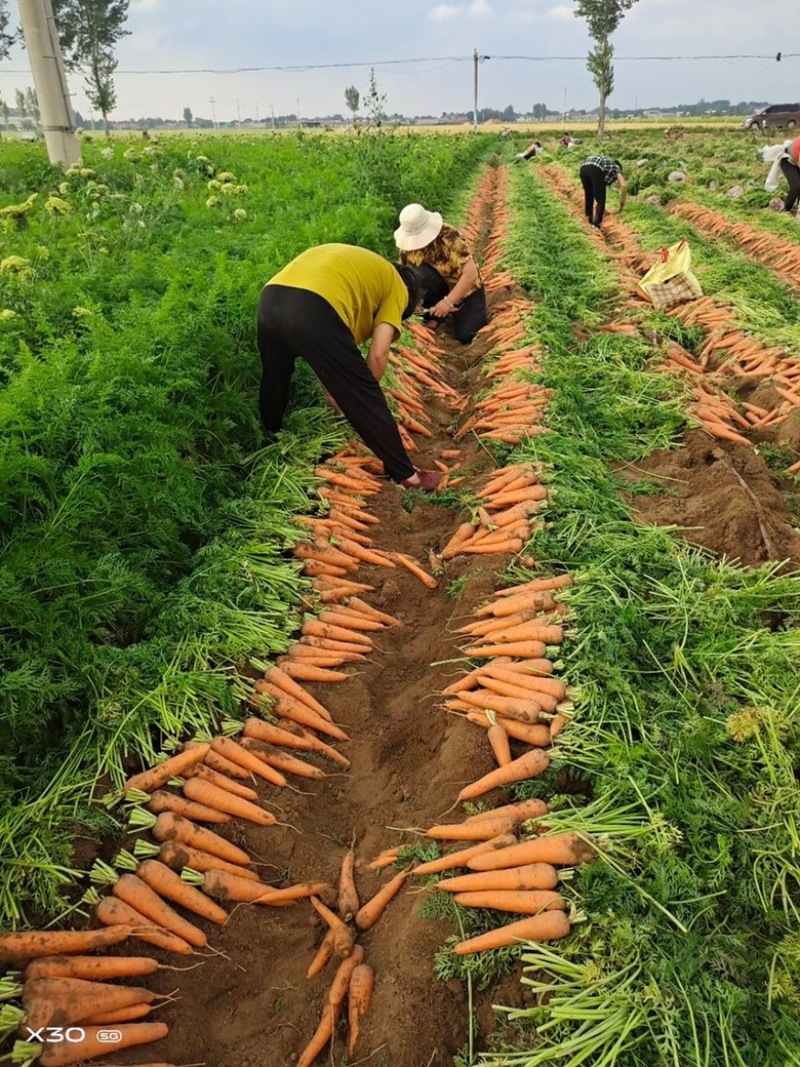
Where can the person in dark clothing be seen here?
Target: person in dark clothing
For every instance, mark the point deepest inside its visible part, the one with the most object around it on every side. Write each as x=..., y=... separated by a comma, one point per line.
x=597, y=174
x=451, y=283
x=320, y=307
x=532, y=150
x=791, y=172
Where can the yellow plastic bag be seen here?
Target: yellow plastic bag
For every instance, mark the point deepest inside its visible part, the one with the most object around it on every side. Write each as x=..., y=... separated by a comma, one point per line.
x=670, y=280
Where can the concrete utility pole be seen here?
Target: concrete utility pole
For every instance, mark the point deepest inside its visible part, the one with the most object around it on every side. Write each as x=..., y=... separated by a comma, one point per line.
x=298, y=114
x=50, y=81
x=475, y=89
x=272, y=110
x=212, y=101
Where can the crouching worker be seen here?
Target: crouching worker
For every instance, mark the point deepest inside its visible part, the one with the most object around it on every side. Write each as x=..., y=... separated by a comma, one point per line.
x=319, y=308
x=449, y=277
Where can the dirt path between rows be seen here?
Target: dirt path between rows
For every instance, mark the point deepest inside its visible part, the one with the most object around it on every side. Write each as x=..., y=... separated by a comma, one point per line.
x=254, y=1006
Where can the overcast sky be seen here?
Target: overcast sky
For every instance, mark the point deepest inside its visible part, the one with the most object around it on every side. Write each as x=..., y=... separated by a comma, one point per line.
x=187, y=34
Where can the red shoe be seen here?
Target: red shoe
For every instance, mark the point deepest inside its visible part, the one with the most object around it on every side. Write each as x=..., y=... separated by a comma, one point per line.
x=427, y=481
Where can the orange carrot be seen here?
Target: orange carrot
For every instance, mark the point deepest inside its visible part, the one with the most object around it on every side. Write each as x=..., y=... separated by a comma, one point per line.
x=162, y=801
x=348, y=902
x=177, y=856
x=523, y=710
x=279, y=678
x=224, y=886
x=91, y=968
x=362, y=984
x=522, y=901
x=205, y=793
x=220, y=764
x=169, y=827
x=351, y=622
x=526, y=649
x=315, y=628
x=332, y=1009
x=163, y=881
x=370, y=912
x=324, y=953
x=498, y=739
x=561, y=850
x=224, y=782
x=111, y=911
x=281, y=761
x=124, y=1015
x=174, y=767
x=427, y=579
x=95, y=1043
x=309, y=673
x=484, y=830
x=16, y=948
x=301, y=715
x=531, y=765
x=367, y=609
x=460, y=858
x=385, y=859
x=342, y=937
x=549, y=926
x=529, y=877
x=523, y=811
x=236, y=754
x=137, y=894
x=63, y=1001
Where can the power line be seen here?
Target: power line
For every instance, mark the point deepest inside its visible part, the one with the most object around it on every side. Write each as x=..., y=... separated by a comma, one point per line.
x=302, y=68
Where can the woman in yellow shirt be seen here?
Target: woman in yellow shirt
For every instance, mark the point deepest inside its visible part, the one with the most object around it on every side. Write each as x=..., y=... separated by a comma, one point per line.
x=450, y=279
x=320, y=307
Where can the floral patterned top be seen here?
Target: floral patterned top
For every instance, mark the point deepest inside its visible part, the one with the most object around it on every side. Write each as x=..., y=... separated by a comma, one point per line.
x=448, y=253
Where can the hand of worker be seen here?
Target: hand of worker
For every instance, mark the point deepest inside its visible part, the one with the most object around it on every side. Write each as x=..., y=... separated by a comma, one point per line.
x=442, y=309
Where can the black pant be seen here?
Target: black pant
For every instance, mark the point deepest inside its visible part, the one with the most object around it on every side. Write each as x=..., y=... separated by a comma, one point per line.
x=791, y=173
x=594, y=192
x=470, y=316
x=297, y=322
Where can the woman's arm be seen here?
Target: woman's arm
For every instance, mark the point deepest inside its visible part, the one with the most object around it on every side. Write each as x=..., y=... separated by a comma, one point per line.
x=380, y=346
x=469, y=275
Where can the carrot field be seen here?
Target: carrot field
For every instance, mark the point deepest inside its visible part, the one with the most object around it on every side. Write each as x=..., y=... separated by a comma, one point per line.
x=297, y=767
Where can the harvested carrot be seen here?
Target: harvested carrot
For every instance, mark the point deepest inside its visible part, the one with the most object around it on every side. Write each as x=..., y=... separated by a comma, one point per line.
x=522, y=901
x=63, y=1001
x=526, y=649
x=484, y=830
x=16, y=948
x=531, y=765
x=224, y=886
x=220, y=764
x=124, y=1015
x=549, y=926
x=529, y=877
x=498, y=739
x=168, y=827
x=281, y=761
x=385, y=859
x=309, y=673
x=301, y=715
x=348, y=902
x=342, y=937
x=91, y=968
x=279, y=678
x=224, y=782
x=111, y=911
x=95, y=1043
x=367, y=609
x=332, y=1009
x=460, y=858
x=137, y=894
x=236, y=754
x=411, y=565
x=174, y=767
x=521, y=709
x=164, y=881
x=324, y=953
x=561, y=850
x=177, y=856
x=522, y=811
x=162, y=801
x=362, y=985
x=206, y=793
x=370, y=912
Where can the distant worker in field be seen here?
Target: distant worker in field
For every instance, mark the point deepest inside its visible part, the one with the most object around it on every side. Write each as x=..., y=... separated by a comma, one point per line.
x=320, y=308
x=567, y=141
x=450, y=281
x=597, y=174
x=785, y=159
x=532, y=150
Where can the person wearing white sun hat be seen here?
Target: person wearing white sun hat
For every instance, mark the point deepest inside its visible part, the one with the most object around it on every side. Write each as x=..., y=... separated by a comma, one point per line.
x=450, y=279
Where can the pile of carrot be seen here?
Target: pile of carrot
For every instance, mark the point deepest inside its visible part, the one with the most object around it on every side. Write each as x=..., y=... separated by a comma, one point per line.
x=503, y=521
x=782, y=257
x=726, y=347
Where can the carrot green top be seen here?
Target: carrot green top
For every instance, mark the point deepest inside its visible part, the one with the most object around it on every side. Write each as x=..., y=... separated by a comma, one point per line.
x=363, y=288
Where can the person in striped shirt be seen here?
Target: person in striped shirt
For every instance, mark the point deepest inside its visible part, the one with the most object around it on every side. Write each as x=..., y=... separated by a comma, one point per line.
x=597, y=174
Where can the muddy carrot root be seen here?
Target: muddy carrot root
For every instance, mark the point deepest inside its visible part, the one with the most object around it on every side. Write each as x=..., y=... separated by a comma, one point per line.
x=332, y=1009
x=362, y=984
x=549, y=926
x=369, y=914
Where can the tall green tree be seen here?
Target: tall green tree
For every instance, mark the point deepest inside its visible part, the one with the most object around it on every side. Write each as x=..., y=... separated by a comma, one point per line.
x=375, y=102
x=89, y=31
x=6, y=35
x=188, y=117
x=602, y=19
x=352, y=98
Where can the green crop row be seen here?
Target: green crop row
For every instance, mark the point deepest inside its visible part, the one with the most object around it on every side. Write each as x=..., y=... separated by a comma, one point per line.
x=684, y=747
x=143, y=526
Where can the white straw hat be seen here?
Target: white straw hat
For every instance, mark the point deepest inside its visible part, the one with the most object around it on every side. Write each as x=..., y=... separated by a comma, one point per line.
x=418, y=228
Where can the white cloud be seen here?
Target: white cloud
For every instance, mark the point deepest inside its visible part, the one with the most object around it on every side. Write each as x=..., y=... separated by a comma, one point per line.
x=146, y=5
x=476, y=9
x=443, y=12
